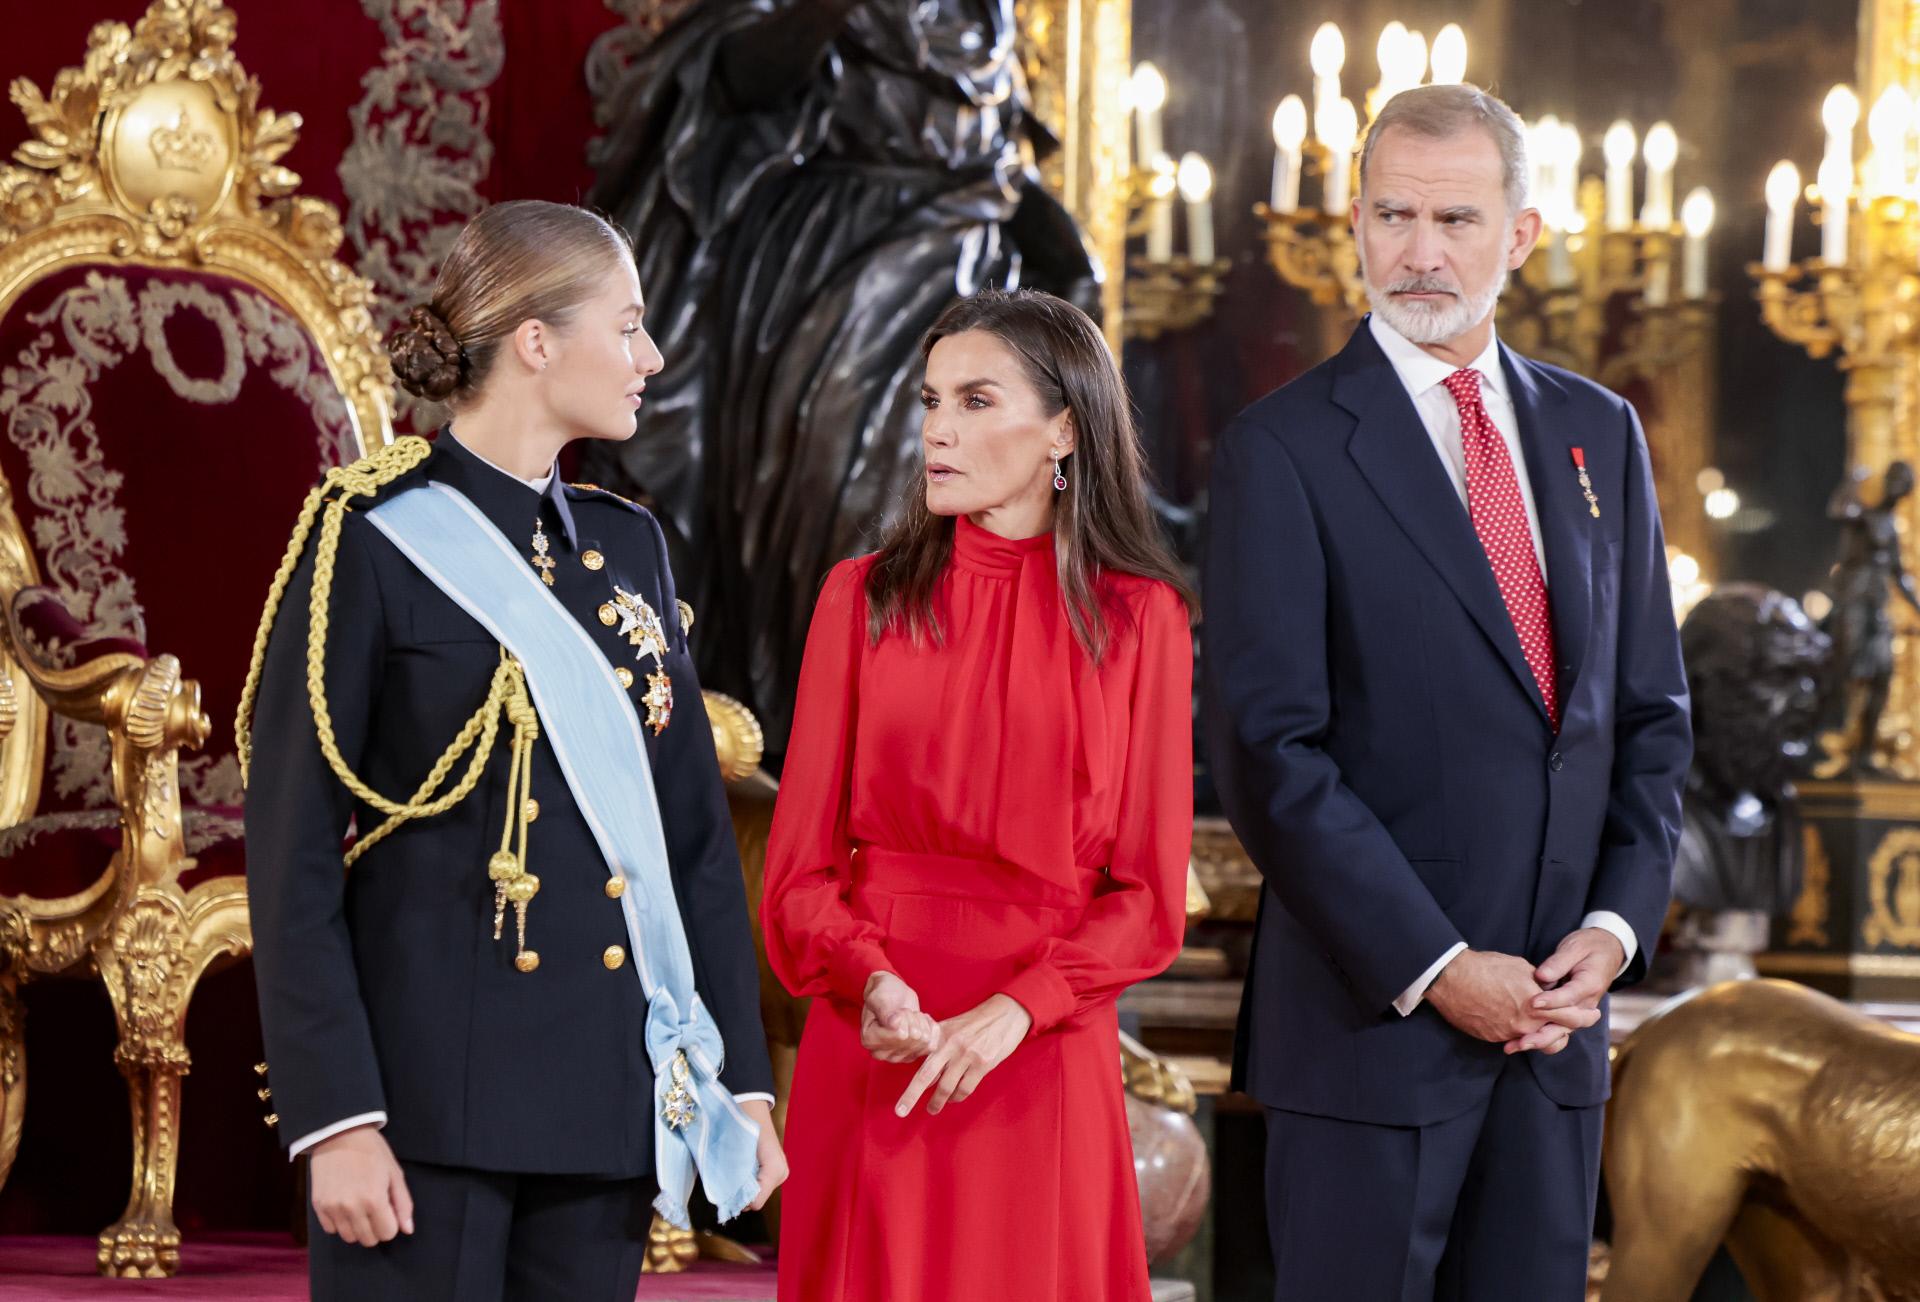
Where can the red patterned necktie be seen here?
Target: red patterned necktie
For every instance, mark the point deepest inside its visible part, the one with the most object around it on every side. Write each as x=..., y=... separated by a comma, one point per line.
x=1500, y=518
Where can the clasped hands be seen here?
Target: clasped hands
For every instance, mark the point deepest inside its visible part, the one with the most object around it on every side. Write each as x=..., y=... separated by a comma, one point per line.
x=958, y=1052
x=1506, y=1000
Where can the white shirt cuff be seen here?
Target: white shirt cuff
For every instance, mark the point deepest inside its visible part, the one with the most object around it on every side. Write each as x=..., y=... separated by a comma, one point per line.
x=1607, y=920
x=376, y=1119
x=754, y=1098
x=1410, y=997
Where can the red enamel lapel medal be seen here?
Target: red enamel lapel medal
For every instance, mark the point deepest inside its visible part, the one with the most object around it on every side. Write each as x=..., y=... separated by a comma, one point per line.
x=1586, y=484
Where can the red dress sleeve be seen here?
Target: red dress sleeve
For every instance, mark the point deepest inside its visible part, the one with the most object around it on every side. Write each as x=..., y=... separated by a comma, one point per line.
x=815, y=944
x=1134, y=926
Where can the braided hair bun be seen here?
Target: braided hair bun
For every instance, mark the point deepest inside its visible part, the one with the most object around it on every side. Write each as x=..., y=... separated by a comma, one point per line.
x=427, y=360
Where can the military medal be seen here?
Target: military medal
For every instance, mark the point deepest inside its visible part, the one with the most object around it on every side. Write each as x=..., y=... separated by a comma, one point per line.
x=542, y=561
x=659, y=699
x=1586, y=485
x=679, y=1109
x=640, y=625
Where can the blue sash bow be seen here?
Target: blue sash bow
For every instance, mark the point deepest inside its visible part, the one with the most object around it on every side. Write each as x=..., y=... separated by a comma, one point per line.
x=595, y=735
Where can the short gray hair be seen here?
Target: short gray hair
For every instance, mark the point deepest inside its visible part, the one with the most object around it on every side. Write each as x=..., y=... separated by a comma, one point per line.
x=1441, y=112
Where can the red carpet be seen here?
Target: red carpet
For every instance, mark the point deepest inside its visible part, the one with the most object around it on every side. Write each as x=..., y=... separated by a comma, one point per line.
x=269, y=1268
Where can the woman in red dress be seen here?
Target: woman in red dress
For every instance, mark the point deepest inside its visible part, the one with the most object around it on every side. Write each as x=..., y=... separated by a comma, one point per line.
x=982, y=840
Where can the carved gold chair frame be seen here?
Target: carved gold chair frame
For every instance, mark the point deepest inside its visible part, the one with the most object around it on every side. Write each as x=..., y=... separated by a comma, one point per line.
x=154, y=153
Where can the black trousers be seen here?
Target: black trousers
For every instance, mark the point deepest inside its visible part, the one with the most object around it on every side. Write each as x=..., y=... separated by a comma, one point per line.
x=1495, y=1205
x=482, y=1236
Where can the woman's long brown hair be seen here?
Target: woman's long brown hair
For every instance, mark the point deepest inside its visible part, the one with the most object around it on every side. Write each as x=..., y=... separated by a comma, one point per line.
x=1102, y=524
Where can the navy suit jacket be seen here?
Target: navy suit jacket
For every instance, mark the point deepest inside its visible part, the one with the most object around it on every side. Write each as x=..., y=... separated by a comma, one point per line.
x=1383, y=751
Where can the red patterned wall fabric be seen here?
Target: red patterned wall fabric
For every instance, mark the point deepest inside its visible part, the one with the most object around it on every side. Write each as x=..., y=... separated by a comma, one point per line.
x=159, y=429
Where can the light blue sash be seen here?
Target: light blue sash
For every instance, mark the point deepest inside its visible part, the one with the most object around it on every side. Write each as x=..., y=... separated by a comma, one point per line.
x=595, y=735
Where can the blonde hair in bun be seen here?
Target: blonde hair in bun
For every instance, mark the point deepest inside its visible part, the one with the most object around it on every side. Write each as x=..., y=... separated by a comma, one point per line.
x=526, y=259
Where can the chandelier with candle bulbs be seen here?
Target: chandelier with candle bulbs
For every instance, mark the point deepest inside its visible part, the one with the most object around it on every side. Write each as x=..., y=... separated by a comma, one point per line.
x=1858, y=301
x=1595, y=252
x=1167, y=289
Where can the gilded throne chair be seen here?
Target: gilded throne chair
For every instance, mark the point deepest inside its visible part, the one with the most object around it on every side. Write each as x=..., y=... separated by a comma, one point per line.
x=181, y=357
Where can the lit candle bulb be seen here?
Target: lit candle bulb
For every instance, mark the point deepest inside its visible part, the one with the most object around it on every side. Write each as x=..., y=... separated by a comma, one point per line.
x=1160, y=211
x=1148, y=91
x=1696, y=215
x=1389, y=53
x=1619, y=148
x=1840, y=113
x=1563, y=146
x=1414, y=51
x=1343, y=126
x=1661, y=150
x=1887, y=128
x=1836, y=188
x=1543, y=151
x=1571, y=147
x=1449, y=56
x=1196, y=187
x=1327, y=54
x=1289, y=134
x=1783, y=189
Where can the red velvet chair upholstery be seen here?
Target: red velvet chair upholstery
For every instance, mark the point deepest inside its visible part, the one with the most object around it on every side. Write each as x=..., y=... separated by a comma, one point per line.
x=180, y=357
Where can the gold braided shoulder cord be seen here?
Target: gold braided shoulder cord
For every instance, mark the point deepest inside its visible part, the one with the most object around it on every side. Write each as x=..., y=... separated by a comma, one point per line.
x=506, y=694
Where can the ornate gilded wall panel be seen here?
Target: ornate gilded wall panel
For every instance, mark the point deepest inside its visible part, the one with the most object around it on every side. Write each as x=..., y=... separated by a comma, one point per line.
x=1077, y=55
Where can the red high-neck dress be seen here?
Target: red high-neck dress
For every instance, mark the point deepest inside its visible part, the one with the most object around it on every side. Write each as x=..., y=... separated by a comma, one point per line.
x=994, y=813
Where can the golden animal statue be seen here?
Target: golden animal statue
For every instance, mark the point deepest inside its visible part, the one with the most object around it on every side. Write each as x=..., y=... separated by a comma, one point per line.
x=1779, y=1121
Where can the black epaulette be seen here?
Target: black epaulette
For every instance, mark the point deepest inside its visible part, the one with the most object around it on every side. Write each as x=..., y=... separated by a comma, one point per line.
x=584, y=491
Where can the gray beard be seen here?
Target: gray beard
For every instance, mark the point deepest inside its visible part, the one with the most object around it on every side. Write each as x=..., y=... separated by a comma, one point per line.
x=1423, y=324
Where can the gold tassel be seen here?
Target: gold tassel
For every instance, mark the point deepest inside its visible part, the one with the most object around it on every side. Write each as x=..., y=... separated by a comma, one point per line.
x=508, y=867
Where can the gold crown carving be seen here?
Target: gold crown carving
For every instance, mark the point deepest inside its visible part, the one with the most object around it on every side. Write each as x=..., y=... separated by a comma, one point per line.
x=182, y=147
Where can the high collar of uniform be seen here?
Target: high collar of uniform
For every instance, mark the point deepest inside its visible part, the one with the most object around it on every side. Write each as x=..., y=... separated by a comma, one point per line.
x=503, y=498
x=987, y=552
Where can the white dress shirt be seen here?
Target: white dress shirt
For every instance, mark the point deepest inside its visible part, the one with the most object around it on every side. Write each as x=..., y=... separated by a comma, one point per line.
x=379, y=1119
x=1424, y=377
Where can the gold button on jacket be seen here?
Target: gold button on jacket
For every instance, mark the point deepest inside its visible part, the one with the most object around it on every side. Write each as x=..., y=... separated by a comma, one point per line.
x=614, y=957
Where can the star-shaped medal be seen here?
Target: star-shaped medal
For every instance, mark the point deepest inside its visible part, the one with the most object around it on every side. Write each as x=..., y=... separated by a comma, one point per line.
x=640, y=625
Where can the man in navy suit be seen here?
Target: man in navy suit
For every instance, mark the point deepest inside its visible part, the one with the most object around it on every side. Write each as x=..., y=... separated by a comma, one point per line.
x=1450, y=726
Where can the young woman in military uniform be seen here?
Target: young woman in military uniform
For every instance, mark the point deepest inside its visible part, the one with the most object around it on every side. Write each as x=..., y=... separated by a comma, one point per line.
x=528, y=1009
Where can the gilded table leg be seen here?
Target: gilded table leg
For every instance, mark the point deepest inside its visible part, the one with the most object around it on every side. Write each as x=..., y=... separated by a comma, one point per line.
x=150, y=978
x=144, y=1243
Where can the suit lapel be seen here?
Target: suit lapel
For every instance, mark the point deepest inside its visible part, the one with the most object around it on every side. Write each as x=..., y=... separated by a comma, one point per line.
x=1565, y=524
x=1393, y=451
